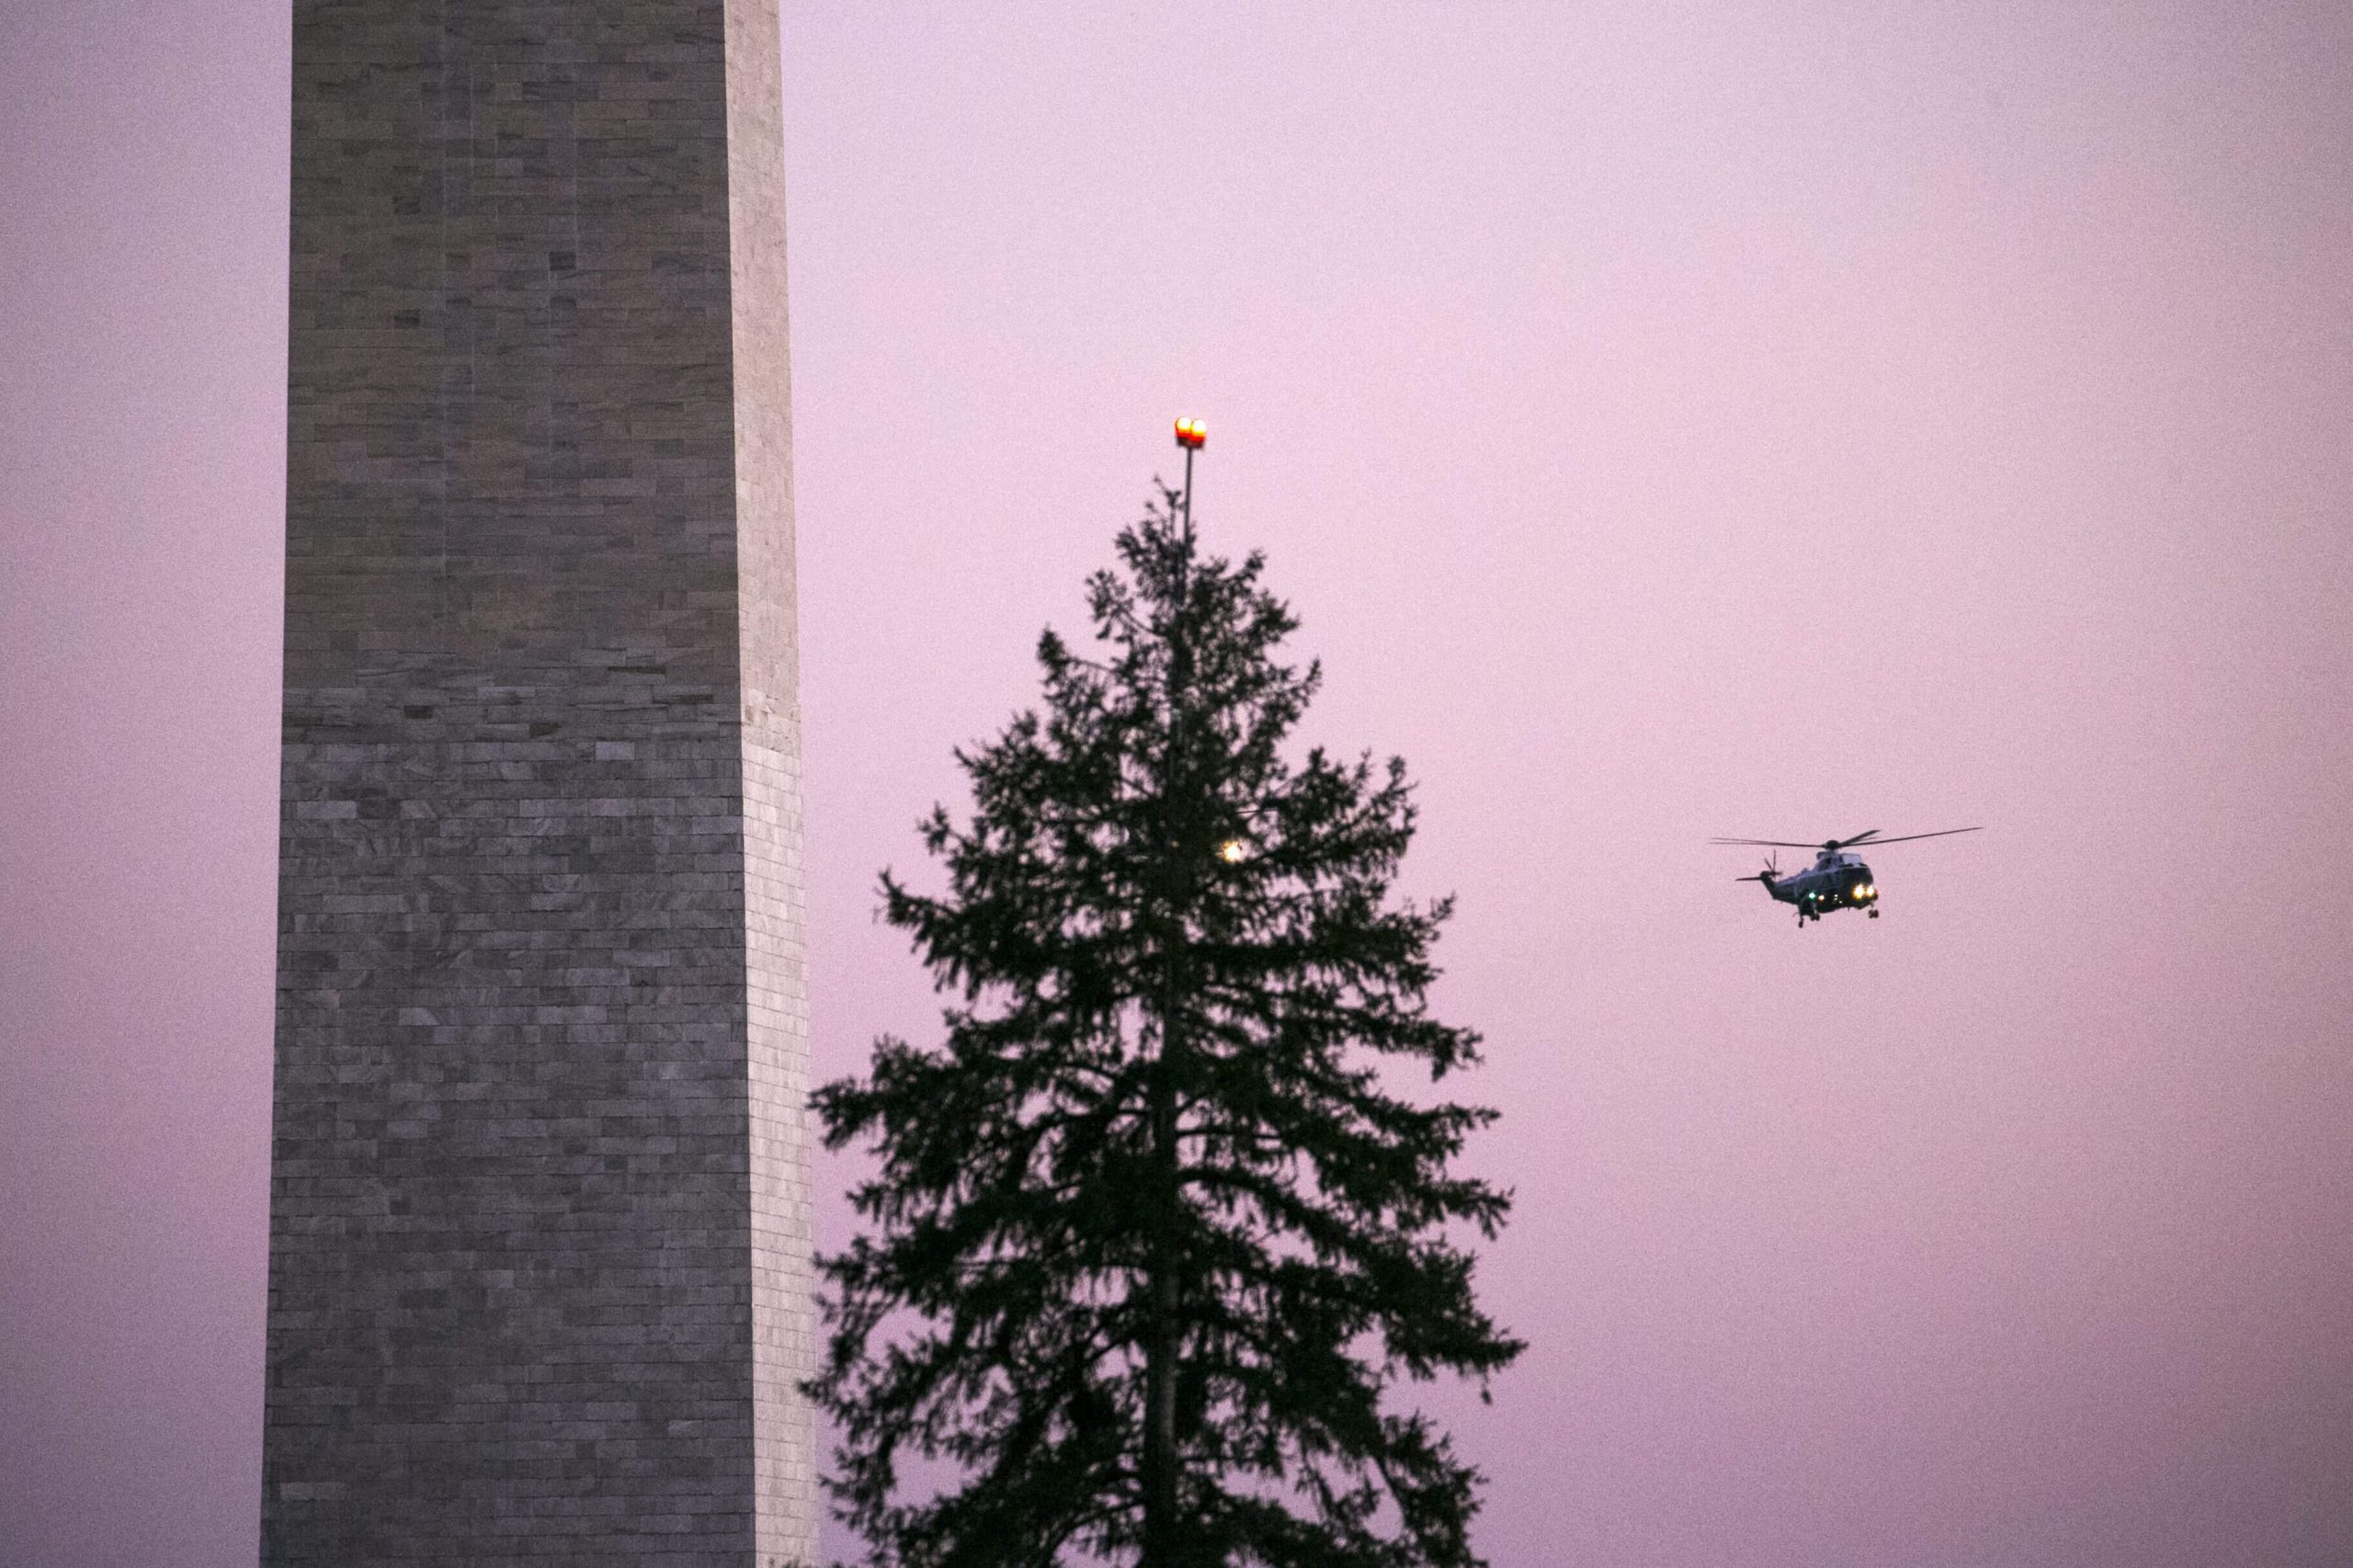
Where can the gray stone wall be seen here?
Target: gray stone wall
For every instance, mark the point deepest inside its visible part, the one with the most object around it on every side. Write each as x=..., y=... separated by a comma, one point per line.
x=538, y=1208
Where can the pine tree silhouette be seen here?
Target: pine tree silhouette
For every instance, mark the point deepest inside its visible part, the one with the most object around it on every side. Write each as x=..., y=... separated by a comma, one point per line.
x=1150, y=1248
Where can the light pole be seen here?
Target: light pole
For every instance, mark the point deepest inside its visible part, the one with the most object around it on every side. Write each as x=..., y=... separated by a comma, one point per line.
x=1160, y=1469
x=1191, y=435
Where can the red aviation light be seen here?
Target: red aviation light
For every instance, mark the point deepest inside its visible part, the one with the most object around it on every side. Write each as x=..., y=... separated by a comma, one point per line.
x=1191, y=434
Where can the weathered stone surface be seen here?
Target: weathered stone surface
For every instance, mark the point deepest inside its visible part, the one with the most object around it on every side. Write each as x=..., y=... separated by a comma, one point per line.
x=540, y=1218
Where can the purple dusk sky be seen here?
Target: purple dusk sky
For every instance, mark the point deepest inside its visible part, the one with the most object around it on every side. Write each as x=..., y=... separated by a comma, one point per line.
x=1668, y=419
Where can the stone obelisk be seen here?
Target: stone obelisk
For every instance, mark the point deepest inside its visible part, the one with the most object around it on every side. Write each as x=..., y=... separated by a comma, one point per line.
x=539, y=1279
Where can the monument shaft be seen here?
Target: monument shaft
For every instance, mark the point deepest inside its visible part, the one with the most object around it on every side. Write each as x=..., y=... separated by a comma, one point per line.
x=539, y=1283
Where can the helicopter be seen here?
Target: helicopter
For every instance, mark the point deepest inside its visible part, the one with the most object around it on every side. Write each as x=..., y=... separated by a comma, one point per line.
x=1836, y=880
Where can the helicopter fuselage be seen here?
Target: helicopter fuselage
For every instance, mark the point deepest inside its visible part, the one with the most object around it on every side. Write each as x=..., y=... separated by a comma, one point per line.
x=1834, y=881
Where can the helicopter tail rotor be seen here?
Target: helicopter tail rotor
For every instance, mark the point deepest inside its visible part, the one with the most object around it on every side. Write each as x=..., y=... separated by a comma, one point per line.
x=1768, y=876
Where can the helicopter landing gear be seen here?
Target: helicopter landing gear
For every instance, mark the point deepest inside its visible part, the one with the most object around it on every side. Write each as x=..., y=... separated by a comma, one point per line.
x=1874, y=913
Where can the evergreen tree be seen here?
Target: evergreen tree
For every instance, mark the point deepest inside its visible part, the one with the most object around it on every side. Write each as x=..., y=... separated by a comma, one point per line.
x=1150, y=1246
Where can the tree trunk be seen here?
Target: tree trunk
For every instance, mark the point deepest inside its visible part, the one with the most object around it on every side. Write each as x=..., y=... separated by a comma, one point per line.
x=1163, y=1346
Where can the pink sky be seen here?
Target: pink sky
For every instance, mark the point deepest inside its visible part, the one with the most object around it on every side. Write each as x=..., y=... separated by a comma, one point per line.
x=1669, y=420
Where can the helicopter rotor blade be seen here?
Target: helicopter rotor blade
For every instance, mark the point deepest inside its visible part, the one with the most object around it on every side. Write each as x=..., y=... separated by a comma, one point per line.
x=1867, y=840
x=1906, y=838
